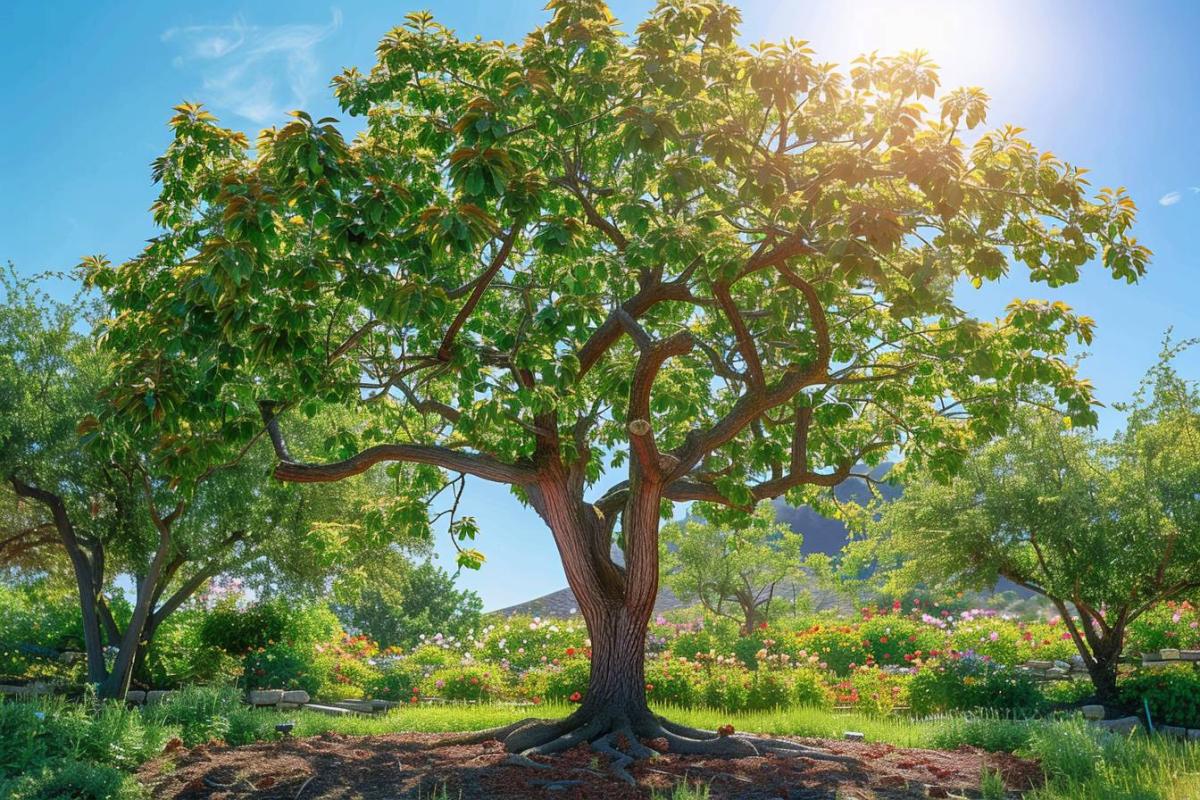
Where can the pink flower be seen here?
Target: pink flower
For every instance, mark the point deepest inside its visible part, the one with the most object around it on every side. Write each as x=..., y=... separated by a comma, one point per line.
x=994, y=636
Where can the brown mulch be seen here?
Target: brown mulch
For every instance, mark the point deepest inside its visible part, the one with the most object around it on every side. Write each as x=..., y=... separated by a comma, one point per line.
x=399, y=767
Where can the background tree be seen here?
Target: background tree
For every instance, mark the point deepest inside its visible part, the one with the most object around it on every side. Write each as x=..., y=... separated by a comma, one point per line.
x=724, y=272
x=400, y=601
x=733, y=574
x=110, y=510
x=1104, y=529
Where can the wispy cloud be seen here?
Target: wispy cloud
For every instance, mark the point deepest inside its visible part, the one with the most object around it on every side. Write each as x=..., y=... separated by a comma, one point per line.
x=258, y=72
x=1170, y=198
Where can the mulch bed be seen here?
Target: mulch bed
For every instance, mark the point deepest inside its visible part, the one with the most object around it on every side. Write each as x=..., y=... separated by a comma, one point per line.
x=404, y=766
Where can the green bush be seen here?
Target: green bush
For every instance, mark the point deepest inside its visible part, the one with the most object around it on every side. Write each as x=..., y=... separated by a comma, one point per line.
x=809, y=688
x=673, y=681
x=200, y=713
x=838, y=646
x=478, y=683
x=1173, y=694
x=557, y=683
x=993, y=637
x=396, y=682
x=237, y=631
x=285, y=666
x=1166, y=625
x=522, y=642
x=770, y=689
x=726, y=688
x=893, y=640
x=965, y=684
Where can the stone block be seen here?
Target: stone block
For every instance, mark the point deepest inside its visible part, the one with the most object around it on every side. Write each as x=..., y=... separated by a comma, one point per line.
x=156, y=696
x=854, y=736
x=1093, y=712
x=295, y=696
x=1189, y=655
x=135, y=697
x=1039, y=665
x=285, y=706
x=264, y=697
x=1169, y=654
x=1173, y=731
x=1122, y=725
x=1056, y=672
x=1193, y=734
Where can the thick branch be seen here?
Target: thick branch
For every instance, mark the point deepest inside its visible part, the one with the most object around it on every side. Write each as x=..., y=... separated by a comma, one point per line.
x=479, y=466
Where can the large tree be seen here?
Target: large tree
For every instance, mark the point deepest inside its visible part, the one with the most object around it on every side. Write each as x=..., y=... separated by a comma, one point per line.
x=733, y=573
x=106, y=508
x=727, y=273
x=1105, y=529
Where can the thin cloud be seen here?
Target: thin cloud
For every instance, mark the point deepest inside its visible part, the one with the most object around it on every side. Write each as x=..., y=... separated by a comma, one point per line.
x=258, y=72
x=1170, y=198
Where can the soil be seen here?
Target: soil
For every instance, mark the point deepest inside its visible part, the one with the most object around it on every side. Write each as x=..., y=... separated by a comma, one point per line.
x=405, y=766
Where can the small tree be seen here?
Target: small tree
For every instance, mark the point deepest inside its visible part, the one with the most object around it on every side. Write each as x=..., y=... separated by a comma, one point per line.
x=400, y=601
x=109, y=511
x=727, y=273
x=731, y=570
x=1104, y=529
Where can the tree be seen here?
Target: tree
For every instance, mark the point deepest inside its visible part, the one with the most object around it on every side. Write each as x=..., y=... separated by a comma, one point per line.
x=726, y=273
x=721, y=567
x=1105, y=529
x=109, y=511
x=401, y=601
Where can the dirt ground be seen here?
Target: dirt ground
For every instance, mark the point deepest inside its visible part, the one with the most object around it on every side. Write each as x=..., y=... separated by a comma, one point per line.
x=334, y=767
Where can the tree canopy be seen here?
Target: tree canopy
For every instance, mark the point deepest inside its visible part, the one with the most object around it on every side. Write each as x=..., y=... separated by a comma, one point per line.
x=1104, y=528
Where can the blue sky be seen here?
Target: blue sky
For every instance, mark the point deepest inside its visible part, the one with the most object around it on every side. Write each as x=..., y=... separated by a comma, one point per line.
x=88, y=87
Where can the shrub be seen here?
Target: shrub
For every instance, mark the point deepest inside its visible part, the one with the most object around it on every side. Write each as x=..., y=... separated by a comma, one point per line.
x=673, y=681
x=1168, y=624
x=993, y=637
x=284, y=666
x=558, y=683
x=893, y=640
x=1173, y=694
x=837, y=646
x=237, y=631
x=520, y=643
x=726, y=688
x=396, y=682
x=429, y=658
x=1042, y=640
x=967, y=683
x=876, y=692
x=200, y=713
x=810, y=689
x=476, y=683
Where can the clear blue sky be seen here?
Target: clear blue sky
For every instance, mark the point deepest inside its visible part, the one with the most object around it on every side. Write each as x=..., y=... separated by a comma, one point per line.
x=88, y=87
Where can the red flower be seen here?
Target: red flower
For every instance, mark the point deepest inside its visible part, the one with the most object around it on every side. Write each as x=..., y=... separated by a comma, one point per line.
x=570, y=651
x=575, y=697
x=883, y=640
x=649, y=687
x=895, y=605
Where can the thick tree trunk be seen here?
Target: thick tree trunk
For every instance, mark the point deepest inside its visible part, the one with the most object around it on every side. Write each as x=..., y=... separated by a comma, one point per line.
x=617, y=684
x=1103, y=672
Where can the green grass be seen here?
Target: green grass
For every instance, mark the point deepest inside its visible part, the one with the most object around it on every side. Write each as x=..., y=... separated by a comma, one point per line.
x=784, y=722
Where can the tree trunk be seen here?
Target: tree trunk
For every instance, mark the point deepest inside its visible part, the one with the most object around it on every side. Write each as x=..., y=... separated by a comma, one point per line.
x=1102, y=669
x=617, y=684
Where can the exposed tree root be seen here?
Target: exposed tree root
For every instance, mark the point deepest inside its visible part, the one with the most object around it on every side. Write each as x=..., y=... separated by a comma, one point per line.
x=617, y=736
